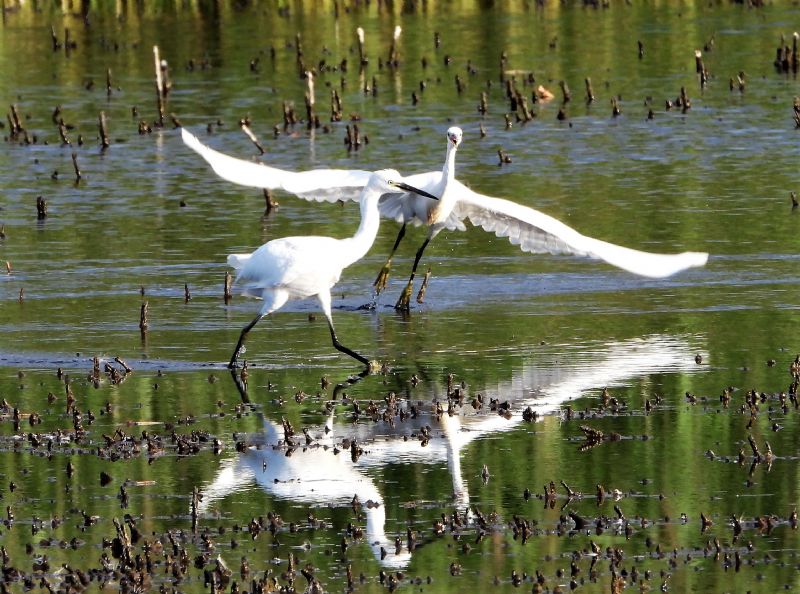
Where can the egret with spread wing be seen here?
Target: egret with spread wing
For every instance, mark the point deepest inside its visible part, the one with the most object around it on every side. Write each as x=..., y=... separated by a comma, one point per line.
x=299, y=267
x=533, y=231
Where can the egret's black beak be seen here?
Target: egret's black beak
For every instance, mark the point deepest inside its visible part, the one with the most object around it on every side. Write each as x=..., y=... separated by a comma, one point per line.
x=408, y=188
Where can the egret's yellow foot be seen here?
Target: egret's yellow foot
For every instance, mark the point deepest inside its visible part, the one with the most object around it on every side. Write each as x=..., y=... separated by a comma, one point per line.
x=383, y=276
x=404, y=302
x=374, y=367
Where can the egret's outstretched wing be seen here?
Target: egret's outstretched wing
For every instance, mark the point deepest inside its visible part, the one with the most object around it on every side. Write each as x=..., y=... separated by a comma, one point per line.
x=537, y=232
x=327, y=185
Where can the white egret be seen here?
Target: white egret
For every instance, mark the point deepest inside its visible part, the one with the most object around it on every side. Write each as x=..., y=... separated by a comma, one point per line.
x=299, y=267
x=533, y=231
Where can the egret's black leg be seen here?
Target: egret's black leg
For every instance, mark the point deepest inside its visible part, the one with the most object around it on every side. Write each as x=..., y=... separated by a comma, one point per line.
x=383, y=275
x=242, y=336
x=324, y=299
x=340, y=347
x=403, y=303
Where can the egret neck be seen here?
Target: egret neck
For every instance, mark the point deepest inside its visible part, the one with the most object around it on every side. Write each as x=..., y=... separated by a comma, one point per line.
x=359, y=244
x=447, y=200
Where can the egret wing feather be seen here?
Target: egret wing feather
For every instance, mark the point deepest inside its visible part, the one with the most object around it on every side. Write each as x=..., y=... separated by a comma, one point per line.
x=536, y=232
x=321, y=185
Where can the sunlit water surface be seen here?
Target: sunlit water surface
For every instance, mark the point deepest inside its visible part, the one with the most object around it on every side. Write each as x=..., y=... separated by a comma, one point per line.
x=544, y=334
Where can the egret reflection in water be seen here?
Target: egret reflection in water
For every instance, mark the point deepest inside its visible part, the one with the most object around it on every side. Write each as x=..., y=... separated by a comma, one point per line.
x=311, y=475
x=317, y=476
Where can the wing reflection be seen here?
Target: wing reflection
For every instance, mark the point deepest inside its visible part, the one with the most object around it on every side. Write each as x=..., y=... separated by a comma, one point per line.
x=316, y=476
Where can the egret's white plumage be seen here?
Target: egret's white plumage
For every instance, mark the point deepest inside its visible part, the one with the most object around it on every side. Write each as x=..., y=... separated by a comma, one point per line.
x=533, y=231
x=309, y=266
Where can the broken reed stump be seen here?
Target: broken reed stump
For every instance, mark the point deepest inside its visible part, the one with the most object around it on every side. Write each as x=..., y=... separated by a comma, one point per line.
x=700, y=68
x=68, y=43
x=312, y=120
x=424, y=287
x=196, y=499
x=394, y=55
x=78, y=175
x=269, y=202
x=95, y=375
x=289, y=116
x=503, y=157
x=565, y=91
x=143, y=322
x=14, y=123
x=243, y=124
x=786, y=58
x=104, y=142
x=685, y=101
x=54, y=39
x=159, y=88
x=336, y=106
x=227, y=296
x=589, y=91
x=353, y=137
x=187, y=296
x=362, y=54
x=41, y=208
x=62, y=132
x=796, y=107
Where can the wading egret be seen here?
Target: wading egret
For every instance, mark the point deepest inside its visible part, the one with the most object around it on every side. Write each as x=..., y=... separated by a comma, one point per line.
x=531, y=230
x=300, y=267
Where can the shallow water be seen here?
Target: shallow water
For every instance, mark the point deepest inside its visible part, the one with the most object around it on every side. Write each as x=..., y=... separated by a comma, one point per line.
x=543, y=332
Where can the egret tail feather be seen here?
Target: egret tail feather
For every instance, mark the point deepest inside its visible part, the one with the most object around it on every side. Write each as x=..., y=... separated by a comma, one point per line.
x=236, y=261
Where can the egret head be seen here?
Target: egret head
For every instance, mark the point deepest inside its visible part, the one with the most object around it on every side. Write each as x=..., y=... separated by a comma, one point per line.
x=454, y=135
x=389, y=180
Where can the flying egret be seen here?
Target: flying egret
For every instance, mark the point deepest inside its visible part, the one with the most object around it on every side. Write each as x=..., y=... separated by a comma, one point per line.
x=299, y=267
x=533, y=231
